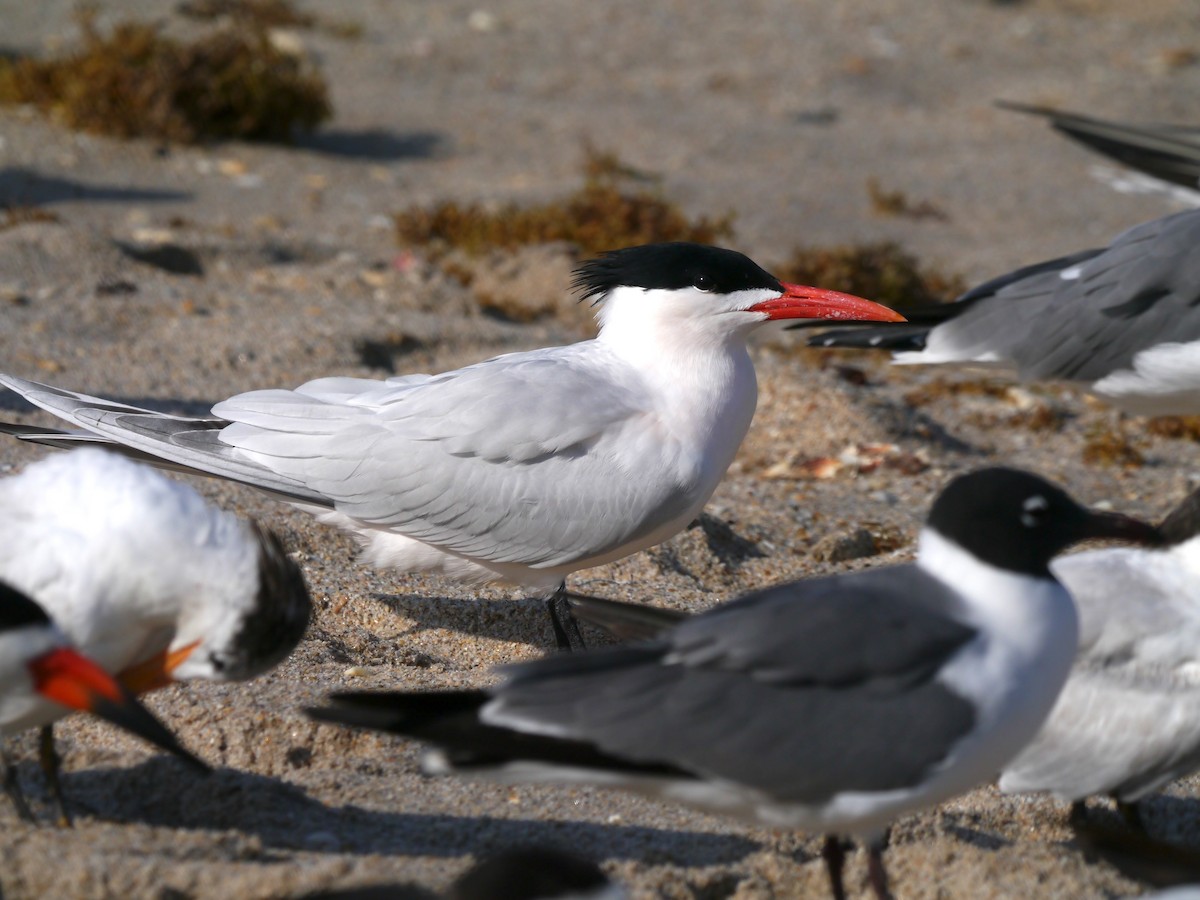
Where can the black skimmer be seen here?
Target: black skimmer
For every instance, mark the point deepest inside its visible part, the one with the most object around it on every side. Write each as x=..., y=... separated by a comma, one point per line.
x=40, y=668
x=144, y=577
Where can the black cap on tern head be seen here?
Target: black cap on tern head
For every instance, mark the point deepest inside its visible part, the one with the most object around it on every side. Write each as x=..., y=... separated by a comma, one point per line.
x=670, y=266
x=1018, y=521
x=18, y=610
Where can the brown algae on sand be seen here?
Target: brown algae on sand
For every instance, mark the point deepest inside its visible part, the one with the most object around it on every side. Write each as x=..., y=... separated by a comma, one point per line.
x=883, y=271
x=602, y=214
x=137, y=82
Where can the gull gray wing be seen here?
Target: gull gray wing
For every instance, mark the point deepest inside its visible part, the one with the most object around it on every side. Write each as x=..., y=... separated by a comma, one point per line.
x=1091, y=317
x=1169, y=152
x=852, y=659
x=1139, y=613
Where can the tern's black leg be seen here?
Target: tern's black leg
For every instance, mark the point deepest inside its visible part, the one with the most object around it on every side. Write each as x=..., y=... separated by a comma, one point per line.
x=1132, y=814
x=50, y=760
x=833, y=851
x=876, y=872
x=566, y=629
x=12, y=787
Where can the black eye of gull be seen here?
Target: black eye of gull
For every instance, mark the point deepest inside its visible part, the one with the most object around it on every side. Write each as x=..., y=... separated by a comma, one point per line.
x=1033, y=511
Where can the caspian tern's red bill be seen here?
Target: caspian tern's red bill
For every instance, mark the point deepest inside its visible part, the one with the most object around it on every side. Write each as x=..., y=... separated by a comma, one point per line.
x=802, y=302
x=66, y=677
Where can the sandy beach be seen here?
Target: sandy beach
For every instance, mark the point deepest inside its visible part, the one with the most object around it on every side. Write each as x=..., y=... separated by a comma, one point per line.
x=778, y=112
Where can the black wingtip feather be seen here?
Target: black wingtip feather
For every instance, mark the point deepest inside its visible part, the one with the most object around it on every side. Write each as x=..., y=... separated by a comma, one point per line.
x=1183, y=522
x=877, y=338
x=450, y=720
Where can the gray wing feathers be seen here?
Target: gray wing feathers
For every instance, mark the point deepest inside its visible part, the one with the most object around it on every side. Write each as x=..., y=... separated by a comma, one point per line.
x=445, y=459
x=1140, y=291
x=186, y=444
x=442, y=459
x=733, y=686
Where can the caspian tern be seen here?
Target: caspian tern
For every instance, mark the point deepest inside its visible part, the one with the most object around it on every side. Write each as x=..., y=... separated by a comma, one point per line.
x=1128, y=720
x=144, y=577
x=834, y=705
x=523, y=468
x=40, y=668
x=1123, y=320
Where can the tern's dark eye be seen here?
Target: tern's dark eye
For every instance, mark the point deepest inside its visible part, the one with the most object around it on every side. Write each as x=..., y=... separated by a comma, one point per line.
x=1034, y=510
x=702, y=283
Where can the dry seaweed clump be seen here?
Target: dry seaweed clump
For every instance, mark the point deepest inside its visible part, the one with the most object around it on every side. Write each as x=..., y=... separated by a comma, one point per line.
x=1106, y=447
x=135, y=82
x=883, y=271
x=1175, y=427
x=599, y=216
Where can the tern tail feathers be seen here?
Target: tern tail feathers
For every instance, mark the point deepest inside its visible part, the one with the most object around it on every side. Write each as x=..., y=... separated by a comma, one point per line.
x=181, y=443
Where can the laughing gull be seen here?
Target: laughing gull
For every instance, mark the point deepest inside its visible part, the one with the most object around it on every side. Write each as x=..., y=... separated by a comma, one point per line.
x=1123, y=320
x=39, y=667
x=523, y=468
x=834, y=705
x=1128, y=720
x=144, y=577
x=1169, y=153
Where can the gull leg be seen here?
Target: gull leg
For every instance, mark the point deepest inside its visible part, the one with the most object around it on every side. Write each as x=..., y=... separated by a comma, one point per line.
x=876, y=873
x=833, y=851
x=50, y=760
x=12, y=787
x=566, y=629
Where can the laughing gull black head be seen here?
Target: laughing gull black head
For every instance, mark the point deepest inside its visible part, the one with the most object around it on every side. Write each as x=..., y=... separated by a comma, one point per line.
x=1128, y=720
x=1123, y=320
x=833, y=705
x=522, y=468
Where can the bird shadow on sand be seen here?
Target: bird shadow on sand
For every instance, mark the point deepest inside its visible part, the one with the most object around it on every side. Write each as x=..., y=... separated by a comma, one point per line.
x=903, y=420
x=20, y=186
x=283, y=818
x=523, y=620
x=374, y=144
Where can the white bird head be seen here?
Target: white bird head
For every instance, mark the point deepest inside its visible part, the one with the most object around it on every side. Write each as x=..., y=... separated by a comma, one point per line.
x=247, y=634
x=38, y=663
x=147, y=577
